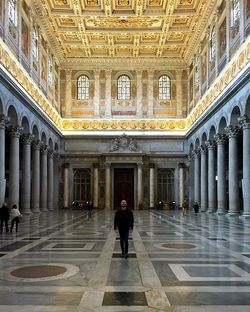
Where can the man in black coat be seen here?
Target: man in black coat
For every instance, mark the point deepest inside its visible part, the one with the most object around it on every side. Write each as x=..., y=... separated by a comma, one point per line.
x=4, y=217
x=124, y=221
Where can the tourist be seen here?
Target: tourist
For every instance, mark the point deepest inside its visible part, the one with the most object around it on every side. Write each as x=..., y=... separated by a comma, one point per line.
x=15, y=216
x=4, y=218
x=124, y=221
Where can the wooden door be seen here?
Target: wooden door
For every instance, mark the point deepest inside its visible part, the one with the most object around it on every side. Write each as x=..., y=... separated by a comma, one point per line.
x=123, y=186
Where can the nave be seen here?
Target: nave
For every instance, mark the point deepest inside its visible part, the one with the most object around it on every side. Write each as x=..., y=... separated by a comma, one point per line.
x=61, y=261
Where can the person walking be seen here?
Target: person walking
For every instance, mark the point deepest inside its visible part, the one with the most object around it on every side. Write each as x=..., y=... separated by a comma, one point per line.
x=4, y=218
x=15, y=216
x=196, y=207
x=124, y=221
x=184, y=207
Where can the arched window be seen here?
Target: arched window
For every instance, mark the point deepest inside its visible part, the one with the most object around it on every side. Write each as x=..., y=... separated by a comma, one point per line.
x=164, y=88
x=235, y=12
x=123, y=88
x=197, y=70
x=212, y=44
x=35, y=43
x=83, y=88
x=50, y=70
x=12, y=6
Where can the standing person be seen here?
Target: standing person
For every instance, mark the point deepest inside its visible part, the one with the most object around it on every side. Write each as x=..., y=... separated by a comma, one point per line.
x=15, y=217
x=124, y=221
x=196, y=207
x=184, y=207
x=4, y=217
x=88, y=208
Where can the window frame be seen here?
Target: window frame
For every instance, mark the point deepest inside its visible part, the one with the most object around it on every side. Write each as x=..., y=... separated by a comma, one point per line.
x=123, y=88
x=166, y=84
x=83, y=87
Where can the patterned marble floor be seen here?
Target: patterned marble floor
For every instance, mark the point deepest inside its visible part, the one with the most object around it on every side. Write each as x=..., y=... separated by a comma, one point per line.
x=62, y=262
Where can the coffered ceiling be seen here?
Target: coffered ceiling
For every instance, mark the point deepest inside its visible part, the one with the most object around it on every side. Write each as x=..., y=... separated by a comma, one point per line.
x=81, y=30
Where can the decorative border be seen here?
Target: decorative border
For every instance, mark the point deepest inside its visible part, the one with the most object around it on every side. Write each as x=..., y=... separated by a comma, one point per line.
x=239, y=62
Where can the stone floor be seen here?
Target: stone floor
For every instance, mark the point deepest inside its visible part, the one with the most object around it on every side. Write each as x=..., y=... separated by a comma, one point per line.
x=62, y=262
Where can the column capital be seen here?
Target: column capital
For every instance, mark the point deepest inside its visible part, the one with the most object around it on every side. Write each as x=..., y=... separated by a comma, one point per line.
x=96, y=165
x=97, y=72
x=244, y=121
x=56, y=155
x=232, y=131
x=197, y=152
x=190, y=157
x=139, y=164
x=210, y=144
x=220, y=138
x=15, y=131
x=44, y=149
x=150, y=72
x=50, y=153
x=151, y=165
x=3, y=121
x=107, y=164
x=203, y=149
x=108, y=72
x=27, y=138
x=37, y=144
x=139, y=73
x=68, y=72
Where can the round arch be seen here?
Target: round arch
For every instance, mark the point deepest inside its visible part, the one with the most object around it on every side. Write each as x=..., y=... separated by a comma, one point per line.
x=12, y=114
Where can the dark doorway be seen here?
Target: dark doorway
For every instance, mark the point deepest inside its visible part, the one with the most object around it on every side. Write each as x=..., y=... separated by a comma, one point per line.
x=123, y=186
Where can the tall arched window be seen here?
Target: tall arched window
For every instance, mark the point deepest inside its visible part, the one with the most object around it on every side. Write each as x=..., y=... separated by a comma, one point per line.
x=35, y=43
x=197, y=70
x=212, y=44
x=123, y=88
x=83, y=88
x=50, y=70
x=235, y=12
x=12, y=6
x=164, y=88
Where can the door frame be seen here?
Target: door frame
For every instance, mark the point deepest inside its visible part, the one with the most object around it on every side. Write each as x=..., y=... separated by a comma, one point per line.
x=123, y=166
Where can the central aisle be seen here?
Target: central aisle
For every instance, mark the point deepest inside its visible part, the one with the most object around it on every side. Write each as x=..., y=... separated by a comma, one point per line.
x=65, y=262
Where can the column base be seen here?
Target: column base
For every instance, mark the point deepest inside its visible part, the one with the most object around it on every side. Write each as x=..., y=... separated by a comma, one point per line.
x=43, y=209
x=221, y=212
x=211, y=210
x=36, y=210
x=26, y=212
x=245, y=216
x=233, y=214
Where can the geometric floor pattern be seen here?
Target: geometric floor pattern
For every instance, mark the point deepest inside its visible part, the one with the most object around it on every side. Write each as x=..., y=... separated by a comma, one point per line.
x=63, y=262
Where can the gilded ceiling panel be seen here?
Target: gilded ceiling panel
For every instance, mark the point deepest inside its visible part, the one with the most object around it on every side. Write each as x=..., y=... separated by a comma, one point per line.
x=80, y=29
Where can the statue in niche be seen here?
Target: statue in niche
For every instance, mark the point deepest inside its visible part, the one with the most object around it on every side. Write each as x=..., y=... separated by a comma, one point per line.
x=123, y=142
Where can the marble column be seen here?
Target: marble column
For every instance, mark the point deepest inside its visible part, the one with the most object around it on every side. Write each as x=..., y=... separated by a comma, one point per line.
x=3, y=122
x=204, y=184
x=50, y=179
x=66, y=186
x=15, y=133
x=139, y=185
x=108, y=97
x=56, y=158
x=97, y=93
x=139, y=93
x=211, y=177
x=150, y=93
x=245, y=123
x=197, y=183
x=26, y=173
x=191, y=179
x=181, y=184
x=35, y=185
x=107, y=187
x=68, y=92
x=96, y=186
x=221, y=173
x=44, y=179
x=152, y=186
x=233, y=183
